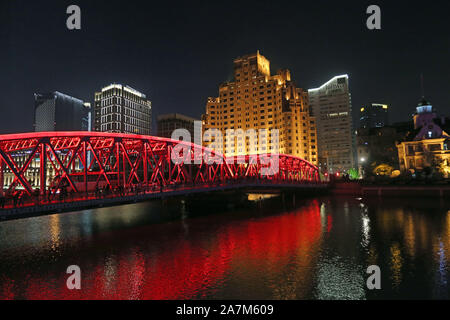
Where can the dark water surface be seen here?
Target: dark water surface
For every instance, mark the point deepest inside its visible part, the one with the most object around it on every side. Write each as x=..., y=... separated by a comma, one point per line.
x=318, y=250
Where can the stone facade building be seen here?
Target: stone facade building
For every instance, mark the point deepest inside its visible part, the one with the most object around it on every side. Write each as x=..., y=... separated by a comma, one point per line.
x=257, y=100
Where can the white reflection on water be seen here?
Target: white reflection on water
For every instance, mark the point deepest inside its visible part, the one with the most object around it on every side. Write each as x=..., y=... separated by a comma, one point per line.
x=365, y=229
x=442, y=264
x=110, y=274
x=323, y=217
x=340, y=280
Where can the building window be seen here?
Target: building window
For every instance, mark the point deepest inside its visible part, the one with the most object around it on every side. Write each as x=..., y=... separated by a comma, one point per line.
x=434, y=147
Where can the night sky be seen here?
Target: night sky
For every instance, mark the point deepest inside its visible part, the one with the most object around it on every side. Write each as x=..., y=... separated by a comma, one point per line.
x=179, y=52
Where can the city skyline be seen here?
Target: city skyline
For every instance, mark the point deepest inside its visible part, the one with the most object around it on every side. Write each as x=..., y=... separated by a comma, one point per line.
x=203, y=151
x=180, y=66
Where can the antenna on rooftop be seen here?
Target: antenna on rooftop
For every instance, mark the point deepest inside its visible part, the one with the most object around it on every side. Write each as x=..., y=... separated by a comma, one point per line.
x=422, y=86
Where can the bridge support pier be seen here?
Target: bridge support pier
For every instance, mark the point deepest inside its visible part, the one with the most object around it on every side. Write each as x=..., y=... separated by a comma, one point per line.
x=2, y=182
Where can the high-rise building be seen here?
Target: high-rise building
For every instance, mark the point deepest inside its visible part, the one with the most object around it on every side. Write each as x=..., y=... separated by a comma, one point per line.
x=332, y=108
x=56, y=111
x=258, y=100
x=122, y=109
x=167, y=123
x=374, y=115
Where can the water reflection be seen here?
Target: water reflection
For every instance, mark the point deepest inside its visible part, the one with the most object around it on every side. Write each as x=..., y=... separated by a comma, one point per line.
x=340, y=280
x=396, y=263
x=319, y=250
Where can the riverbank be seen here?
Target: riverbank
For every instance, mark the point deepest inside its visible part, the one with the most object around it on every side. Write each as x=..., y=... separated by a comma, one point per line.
x=357, y=189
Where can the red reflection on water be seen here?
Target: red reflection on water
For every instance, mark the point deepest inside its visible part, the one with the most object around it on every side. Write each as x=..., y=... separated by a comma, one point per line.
x=183, y=270
x=6, y=290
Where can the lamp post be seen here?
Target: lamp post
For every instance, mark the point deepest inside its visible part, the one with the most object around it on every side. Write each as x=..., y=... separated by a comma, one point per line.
x=362, y=161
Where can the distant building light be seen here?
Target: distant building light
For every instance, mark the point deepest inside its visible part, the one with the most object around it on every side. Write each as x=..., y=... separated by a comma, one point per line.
x=329, y=82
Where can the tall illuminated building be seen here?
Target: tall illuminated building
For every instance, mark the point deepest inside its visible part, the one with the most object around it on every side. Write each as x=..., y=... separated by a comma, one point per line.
x=331, y=105
x=54, y=111
x=120, y=108
x=57, y=111
x=256, y=100
x=374, y=115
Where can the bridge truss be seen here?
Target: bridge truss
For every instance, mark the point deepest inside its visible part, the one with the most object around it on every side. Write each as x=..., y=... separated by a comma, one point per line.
x=48, y=166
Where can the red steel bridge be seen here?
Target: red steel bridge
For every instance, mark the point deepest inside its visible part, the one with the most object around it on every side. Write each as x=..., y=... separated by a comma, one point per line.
x=44, y=169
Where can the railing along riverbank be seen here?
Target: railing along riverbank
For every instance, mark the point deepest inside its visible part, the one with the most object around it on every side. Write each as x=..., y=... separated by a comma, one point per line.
x=415, y=190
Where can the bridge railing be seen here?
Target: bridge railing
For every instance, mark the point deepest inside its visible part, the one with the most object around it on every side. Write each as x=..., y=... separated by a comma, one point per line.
x=21, y=199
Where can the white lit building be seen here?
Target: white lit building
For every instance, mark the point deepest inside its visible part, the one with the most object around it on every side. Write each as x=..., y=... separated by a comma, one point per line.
x=331, y=106
x=122, y=109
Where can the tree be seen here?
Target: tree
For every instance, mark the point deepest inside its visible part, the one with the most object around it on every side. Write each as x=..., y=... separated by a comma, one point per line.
x=444, y=168
x=436, y=164
x=353, y=174
x=383, y=170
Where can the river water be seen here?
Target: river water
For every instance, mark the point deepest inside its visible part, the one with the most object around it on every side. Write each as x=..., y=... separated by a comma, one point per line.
x=318, y=249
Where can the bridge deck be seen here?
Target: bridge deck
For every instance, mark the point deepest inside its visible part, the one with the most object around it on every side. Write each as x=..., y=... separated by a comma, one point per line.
x=37, y=206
